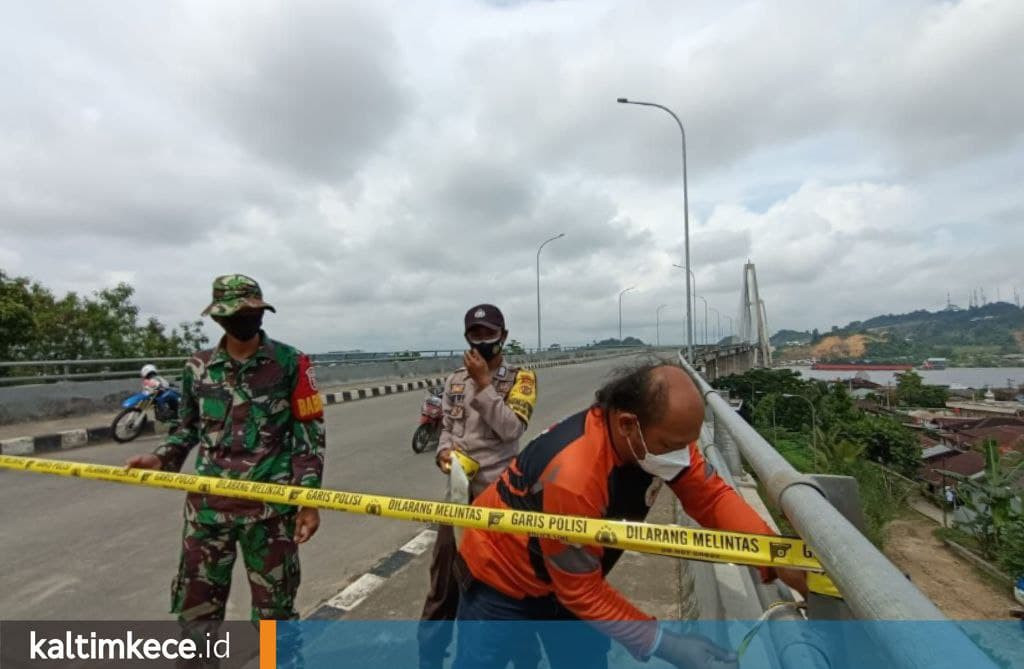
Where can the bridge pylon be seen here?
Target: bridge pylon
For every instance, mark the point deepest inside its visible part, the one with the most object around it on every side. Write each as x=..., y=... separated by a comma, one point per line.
x=754, y=318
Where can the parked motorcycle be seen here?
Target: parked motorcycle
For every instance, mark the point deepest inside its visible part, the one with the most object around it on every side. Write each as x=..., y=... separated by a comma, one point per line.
x=428, y=434
x=129, y=423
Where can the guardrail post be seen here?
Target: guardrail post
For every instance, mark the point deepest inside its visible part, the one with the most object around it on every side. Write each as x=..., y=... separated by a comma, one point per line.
x=729, y=450
x=843, y=493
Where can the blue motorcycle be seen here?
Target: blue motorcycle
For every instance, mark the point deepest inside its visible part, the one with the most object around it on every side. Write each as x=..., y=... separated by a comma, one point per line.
x=130, y=422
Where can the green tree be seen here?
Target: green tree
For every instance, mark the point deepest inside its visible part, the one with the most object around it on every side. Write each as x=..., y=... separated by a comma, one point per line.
x=15, y=315
x=992, y=499
x=1011, y=551
x=37, y=325
x=836, y=406
x=834, y=452
x=887, y=441
x=514, y=347
x=911, y=391
x=755, y=385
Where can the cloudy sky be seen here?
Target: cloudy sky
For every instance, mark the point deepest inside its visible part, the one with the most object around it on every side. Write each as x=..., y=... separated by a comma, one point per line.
x=381, y=166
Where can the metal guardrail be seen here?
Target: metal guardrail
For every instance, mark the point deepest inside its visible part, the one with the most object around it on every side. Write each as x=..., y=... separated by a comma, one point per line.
x=71, y=370
x=847, y=555
x=872, y=586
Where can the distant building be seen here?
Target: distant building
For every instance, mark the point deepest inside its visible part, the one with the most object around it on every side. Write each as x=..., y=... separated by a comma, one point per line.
x=989, y=407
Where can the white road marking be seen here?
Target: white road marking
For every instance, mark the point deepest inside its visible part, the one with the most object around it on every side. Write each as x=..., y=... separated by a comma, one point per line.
x=355, y=593
x=17, y=446
x=73, y=438
x=419, y=544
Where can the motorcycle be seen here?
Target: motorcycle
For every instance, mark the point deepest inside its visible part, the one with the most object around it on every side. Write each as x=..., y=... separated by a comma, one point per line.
x=428, y=434
x=132, y=418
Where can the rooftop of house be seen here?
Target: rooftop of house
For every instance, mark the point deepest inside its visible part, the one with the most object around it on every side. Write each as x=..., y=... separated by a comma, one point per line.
x=968, y=463
x=1007, y=437
x=935, y=450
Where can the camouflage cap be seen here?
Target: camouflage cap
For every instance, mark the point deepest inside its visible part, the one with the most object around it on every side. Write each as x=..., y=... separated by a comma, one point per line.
x=233, y=292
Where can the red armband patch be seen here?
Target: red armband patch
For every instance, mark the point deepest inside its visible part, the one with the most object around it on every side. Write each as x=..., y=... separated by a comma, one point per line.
x=307, y=404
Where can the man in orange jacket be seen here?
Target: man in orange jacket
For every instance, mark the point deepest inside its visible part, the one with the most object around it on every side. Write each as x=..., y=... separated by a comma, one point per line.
x=609, y=461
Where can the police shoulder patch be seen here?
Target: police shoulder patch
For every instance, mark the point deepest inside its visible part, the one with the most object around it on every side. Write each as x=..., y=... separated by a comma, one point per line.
x=307, y=404
x=522, y=398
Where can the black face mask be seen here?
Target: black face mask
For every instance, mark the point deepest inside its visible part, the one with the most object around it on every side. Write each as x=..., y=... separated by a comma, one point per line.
x=242, y=327
x=487, y=350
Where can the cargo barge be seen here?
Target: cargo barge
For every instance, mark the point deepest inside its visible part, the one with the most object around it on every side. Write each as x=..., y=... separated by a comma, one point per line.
x=860, y=366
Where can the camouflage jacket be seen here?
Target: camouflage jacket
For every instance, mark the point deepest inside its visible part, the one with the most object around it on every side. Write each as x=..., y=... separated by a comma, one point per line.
x=257, y=420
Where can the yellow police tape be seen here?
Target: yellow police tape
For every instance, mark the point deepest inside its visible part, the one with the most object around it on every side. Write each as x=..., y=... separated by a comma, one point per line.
x=684, y=542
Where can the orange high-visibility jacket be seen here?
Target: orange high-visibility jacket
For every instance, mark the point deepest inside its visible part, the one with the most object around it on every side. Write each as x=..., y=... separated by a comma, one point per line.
x=572, y=469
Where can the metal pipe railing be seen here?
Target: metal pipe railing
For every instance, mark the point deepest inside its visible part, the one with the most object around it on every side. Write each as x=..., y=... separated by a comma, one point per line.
x=367, y=356
x=102, y=371
x=877, y=590
x=872, y=586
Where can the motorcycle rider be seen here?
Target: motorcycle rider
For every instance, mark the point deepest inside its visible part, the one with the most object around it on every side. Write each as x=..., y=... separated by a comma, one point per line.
x=487, y=406
x=155, y=384
x=151, y=380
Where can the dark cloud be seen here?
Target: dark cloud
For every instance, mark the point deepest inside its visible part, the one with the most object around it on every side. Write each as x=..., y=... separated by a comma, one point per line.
x=311, y=87
x=380, y=168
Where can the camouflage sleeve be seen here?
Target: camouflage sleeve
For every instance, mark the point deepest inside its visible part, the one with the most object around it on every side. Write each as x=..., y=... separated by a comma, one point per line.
x=175, y=450
x=308, y=434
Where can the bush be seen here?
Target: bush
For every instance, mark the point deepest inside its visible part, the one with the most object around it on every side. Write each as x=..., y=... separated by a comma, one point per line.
x=883, y=496
x=1011, y=551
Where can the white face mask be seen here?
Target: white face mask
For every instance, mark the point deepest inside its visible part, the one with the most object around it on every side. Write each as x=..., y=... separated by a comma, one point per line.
x=665, y=466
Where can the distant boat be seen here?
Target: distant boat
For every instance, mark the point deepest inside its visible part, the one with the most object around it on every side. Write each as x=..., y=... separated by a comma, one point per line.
x=857, y=366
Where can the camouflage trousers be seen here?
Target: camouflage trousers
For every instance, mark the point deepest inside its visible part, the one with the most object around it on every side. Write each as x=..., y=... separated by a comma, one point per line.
x=271, y=556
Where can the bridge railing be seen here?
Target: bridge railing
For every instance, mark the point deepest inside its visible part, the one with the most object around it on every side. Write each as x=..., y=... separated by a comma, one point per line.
x=871, y=585
x=47, y=371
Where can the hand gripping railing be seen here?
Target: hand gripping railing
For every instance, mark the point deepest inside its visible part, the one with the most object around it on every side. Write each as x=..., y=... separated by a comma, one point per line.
x=872, y=586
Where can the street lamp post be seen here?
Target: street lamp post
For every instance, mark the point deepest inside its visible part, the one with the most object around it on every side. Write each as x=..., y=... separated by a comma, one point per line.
x=658, y=321
x=559, y=236
x=620, y=310
x=686, y=215
x=718, y=324
x=730, y=329
x=701, y=297
x=814, y=420
x=692, y=283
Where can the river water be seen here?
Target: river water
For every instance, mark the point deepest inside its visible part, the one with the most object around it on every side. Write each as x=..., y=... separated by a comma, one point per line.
x=955, y=377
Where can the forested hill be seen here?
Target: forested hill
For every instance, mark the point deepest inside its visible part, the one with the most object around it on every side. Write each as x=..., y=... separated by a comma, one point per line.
x=995, y=329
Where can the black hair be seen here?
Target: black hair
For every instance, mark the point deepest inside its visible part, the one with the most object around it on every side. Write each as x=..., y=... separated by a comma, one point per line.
x=635, y=390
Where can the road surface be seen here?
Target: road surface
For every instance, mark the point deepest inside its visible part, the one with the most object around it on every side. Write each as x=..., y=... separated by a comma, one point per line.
x=74, y=549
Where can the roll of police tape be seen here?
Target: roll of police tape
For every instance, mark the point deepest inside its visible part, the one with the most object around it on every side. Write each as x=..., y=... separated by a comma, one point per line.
x=682, y=542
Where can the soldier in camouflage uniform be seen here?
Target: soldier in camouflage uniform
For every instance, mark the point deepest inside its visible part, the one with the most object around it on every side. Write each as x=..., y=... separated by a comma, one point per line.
x=252, y=406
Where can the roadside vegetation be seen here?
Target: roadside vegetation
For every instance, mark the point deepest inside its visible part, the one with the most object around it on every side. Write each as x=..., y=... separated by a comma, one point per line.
x=837, y=438
x=883, y=455
x=995, y=506
x=38, y=324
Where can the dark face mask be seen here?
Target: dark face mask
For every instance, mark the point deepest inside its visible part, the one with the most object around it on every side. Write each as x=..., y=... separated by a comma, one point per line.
x=487, y=350
x=242, y=327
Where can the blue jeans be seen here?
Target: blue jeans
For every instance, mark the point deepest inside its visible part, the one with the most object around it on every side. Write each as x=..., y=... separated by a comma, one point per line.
x=494, y=629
